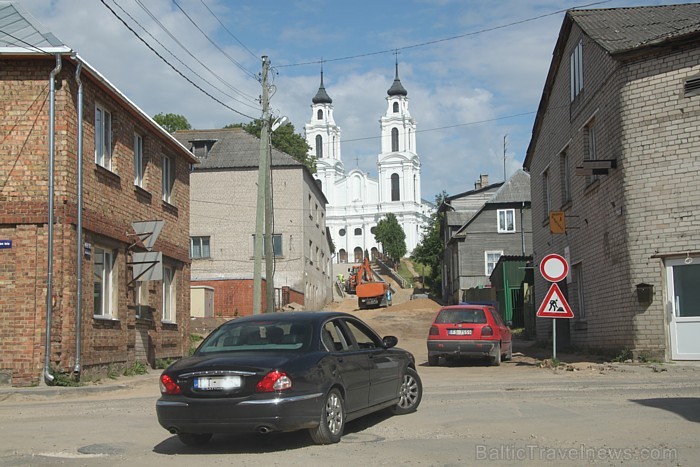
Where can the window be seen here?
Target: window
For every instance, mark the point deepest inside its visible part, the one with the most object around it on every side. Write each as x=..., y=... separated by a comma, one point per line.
x=341, y=232
x=506, y=220
x=202, y=147
x=141, y=299
x=396, y=107
x=491, y=260
x=319, y=146
x=545, y=194
x=104, y=280
x=691, y=87
x=103, y=137
x=565, y=177
x=169, y=295
x=358, y=231
x=590, y=147
x=138, y=160
x=576, y=70
x=394, y=139
x=319, y=114
x=577, y=271
x=199, y=247
x=168, y=180
x=276, y=244
x=395, y=192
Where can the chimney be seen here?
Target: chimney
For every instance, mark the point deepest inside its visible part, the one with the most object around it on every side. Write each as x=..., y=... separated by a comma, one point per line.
x=483, y=182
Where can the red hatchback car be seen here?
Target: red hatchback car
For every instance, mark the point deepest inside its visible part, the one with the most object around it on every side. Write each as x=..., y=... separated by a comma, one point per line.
x=469, y=331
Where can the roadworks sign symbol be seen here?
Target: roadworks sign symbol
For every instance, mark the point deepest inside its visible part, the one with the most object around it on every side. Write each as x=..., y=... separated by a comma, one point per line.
x=555, y=305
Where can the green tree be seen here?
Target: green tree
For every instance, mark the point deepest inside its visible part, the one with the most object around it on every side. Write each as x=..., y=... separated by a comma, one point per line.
x=283, y=139
x=429, y=250
x=392, y=237
x=172, y=122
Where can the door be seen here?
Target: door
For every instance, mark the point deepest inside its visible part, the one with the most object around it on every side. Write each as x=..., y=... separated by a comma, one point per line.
x=682, y=279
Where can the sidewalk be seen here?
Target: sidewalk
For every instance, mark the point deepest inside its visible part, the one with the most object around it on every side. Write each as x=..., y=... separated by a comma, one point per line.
x=104, y=385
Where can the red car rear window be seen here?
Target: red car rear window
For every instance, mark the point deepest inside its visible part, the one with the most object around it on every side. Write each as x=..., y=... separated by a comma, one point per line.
x=461, y=316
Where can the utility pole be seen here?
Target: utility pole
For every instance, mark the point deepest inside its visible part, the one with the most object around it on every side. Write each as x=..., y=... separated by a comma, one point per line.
x=269, y=249
x=504, y=157
x=262, y=186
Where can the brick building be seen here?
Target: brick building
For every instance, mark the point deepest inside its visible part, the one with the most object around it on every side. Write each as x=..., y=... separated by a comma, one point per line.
x=615, y=147
x=223, y=221
x=131, y=171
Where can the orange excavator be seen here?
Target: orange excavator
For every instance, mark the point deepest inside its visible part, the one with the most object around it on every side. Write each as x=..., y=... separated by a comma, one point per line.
x=370, y=292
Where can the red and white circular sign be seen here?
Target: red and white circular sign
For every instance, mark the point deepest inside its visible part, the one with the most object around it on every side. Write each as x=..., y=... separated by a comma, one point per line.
x=554, y=267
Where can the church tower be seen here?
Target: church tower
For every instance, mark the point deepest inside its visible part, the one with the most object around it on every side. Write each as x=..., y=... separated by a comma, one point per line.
x=398, y=163
x=323, y=138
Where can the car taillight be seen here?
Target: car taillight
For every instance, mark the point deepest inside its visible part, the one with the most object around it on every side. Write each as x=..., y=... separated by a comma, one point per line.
x=434, y=331
x=486, y=331
x=168, y=386
x=274, y=381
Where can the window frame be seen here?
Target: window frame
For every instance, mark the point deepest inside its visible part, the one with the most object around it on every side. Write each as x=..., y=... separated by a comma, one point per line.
x=200, y=239
x=565, y=169
x=103, y=137
x=395, y=187
x=486, y=260
x=277, y=245
x=108, y=283
x=139, y=172
x=503, y=227
x=394, y=139
x=141, y=299
x=319, y=146
x=169, y=305
x=576, y=71
x=167, y=174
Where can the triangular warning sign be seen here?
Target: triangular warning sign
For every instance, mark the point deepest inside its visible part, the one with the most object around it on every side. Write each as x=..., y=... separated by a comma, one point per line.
x=555, y=305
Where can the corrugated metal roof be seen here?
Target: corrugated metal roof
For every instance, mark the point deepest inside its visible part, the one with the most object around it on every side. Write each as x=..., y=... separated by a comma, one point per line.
x=516, y=189
x=232, y=148
x=624, y=29
x=18, y=28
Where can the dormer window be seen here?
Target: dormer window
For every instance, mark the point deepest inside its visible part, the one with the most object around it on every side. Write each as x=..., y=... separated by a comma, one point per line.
x=201, y=147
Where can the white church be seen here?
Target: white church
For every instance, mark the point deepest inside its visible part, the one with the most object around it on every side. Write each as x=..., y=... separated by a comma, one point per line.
x=357, y=202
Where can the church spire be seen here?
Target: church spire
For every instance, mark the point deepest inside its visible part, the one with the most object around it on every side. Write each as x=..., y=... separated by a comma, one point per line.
x=322, y=96
x=397, y=88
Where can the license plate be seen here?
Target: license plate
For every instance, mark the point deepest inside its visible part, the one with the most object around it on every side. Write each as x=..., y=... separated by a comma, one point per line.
x=371, y=301
x=214, y=383
x=459, y=332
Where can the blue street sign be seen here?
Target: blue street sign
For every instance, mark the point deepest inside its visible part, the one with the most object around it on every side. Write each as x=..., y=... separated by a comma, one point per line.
x=5, y=243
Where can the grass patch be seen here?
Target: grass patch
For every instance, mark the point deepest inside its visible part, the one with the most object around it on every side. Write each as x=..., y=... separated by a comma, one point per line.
x=136, y=368
x=623, y=356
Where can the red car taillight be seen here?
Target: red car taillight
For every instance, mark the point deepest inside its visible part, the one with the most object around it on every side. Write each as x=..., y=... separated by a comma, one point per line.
x=434, y=331
x=274, y=381
x=168, y=386
x=486, y=331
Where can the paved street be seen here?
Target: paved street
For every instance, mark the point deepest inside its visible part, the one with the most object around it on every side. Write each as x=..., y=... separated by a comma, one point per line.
x=471, y=413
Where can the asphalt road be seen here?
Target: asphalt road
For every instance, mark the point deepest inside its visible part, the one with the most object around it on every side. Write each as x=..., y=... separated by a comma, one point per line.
x=519, y=413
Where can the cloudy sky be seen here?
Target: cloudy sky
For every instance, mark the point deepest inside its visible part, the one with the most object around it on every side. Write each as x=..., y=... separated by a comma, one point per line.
x=474, y=69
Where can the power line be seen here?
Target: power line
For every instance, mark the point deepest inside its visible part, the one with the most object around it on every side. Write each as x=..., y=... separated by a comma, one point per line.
x=172, y=66
x=172, y=36
x=227, y=30
x=187, y=66
x=241, y=67
x=437, y=41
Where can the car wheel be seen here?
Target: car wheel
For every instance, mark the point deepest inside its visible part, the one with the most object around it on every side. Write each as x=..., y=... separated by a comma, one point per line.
x=332, y=423
x=433, y=360
x=509, y=354
x=410, y=393
x=194, y=439
x=496, y=357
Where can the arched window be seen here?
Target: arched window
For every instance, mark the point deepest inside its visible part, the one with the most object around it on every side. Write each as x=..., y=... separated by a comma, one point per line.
x=394, y=139
x=319, y=146
x=319, y=115
x=395, y=187
x=358, y=231
x=396, y=107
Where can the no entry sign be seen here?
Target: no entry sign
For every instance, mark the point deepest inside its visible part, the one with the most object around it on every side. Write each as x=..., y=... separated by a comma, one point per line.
x=554, y=267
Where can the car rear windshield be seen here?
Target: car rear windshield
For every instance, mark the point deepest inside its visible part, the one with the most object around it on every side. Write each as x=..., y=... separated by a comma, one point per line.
x=273, y=336
x=461, y=316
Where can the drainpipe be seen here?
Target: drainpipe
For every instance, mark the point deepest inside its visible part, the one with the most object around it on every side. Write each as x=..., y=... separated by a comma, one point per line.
x=48, y=377
x=79, y=227
x=522, y=228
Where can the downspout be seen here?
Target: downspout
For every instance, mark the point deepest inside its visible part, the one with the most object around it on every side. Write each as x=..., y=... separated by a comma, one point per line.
x=79, y=227
x=522, y=228
x=48, y=377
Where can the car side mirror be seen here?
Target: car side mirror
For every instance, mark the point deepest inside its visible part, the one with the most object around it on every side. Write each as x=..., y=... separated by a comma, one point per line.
x=390, y=341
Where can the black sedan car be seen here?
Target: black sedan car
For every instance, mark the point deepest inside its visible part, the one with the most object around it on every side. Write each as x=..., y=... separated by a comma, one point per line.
x=284, y=372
